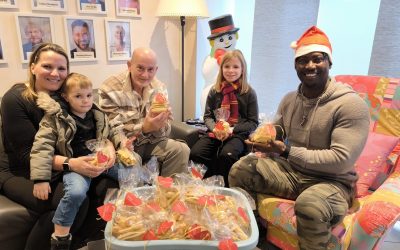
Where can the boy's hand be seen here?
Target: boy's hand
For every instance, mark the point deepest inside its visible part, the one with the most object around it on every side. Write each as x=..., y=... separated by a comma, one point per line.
x=41, y=190
x=82, y=165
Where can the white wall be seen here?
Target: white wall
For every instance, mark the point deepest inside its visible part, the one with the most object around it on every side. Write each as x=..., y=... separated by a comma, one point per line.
x=351, y=31
x=162, y=35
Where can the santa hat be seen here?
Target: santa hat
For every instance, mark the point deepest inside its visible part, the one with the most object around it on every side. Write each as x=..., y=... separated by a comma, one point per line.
x=313, y=40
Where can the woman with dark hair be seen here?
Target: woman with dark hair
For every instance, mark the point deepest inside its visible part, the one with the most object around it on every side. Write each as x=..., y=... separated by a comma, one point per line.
x=48, y=68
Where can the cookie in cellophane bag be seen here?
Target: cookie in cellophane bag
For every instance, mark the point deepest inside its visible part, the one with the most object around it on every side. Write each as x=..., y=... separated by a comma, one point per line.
x=126, y=154
x=222, y=116
x=159, y=102
x=100, y=151
x=267, y=130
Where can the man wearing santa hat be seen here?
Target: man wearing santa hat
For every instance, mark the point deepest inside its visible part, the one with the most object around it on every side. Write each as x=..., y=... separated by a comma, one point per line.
x=325, y=127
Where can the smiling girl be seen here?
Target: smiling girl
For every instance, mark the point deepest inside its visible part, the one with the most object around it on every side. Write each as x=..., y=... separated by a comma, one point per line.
x=220, y=150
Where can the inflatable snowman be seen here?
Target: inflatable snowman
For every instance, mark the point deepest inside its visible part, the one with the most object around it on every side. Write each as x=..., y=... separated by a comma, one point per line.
x=223, y=38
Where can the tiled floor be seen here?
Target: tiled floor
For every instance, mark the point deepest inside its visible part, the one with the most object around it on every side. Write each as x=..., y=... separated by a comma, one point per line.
x=391, y=242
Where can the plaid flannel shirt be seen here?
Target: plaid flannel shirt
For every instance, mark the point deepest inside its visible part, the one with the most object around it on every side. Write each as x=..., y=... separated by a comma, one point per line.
x=126, y=109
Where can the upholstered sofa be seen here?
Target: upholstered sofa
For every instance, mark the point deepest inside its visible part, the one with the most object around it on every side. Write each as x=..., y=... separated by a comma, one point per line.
x=16, y=221
x=377, y=206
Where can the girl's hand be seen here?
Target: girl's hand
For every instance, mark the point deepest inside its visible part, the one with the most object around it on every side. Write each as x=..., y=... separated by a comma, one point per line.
x=82, y=165
x=41, y=190
x=220, y=134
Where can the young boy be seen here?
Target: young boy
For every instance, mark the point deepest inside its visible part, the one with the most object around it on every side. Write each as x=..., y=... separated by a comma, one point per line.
x=65, y=131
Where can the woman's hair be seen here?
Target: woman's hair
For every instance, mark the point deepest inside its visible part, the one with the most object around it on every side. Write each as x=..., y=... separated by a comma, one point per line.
x=244, y=85
x=29, y=93
x=75, y=80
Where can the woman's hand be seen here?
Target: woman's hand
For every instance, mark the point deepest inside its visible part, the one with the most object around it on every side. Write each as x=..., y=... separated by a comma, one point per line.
x=41, y=190
x=270, y=147
x=82, y=165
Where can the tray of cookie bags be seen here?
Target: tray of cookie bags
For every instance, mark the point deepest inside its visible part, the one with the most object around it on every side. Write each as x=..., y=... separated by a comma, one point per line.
x=114, y=237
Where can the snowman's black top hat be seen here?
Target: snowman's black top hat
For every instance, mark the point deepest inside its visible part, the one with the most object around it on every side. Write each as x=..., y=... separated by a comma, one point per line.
x=221, y=25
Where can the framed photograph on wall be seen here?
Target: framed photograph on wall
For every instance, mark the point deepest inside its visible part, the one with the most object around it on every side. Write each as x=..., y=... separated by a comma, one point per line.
x=2, y=58
x=127, y=7
x=8, y=4
x=80, y=38
x=33, y=30
x=49, y=5
x=118, y=37
x=92, y=6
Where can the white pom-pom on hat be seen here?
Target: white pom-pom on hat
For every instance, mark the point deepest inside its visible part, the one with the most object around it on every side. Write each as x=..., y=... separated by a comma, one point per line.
x=293, y=45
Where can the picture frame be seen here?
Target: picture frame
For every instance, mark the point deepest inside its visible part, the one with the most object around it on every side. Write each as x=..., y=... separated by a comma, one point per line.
x=2, y=57
x=33, y=30
x=80, y=34
x=49, y=5
x=92, y=6
x=8, y=4
x=127, y=8
x=118, y=39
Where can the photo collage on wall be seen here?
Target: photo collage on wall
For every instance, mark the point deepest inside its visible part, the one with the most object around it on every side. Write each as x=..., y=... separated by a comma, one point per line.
x=35, y=28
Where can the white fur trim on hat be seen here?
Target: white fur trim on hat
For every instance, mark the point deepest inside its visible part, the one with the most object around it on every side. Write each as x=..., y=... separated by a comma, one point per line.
x=304, y=50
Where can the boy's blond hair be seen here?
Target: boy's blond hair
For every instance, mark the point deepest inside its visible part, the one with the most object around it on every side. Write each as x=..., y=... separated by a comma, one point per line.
x=75, y=80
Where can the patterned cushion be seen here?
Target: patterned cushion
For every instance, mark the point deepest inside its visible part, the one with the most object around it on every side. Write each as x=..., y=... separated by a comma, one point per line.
x=383, y=98
x=373, y=165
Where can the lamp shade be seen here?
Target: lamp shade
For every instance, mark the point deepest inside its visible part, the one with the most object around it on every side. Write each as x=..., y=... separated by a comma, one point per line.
x=187, y=8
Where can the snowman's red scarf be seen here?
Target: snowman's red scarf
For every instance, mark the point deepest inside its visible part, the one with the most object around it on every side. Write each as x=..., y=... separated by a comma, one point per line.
x=230, y=102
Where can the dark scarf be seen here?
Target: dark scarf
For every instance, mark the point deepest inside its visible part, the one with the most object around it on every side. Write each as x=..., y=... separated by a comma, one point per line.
x=230, y=102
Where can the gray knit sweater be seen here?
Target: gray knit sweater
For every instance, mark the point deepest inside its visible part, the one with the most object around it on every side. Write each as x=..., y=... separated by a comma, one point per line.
x=331, y=137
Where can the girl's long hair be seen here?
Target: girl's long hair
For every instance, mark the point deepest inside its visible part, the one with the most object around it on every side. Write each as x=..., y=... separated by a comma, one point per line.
x=244, y=85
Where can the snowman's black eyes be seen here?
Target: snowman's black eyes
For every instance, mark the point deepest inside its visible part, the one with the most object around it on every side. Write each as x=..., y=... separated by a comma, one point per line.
x=221, y=39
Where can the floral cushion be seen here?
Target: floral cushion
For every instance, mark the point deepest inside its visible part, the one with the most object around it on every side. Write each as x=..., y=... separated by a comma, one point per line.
x=373, y=165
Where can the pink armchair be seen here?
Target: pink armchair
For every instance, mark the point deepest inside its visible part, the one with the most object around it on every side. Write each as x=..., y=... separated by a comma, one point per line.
x=377, y=206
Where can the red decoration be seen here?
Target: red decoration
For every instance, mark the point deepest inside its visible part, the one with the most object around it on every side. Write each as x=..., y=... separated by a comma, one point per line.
x=196, y=233
x=149, y=235
x=242, y=213
x=132, y=200
x=165, y=182
x=106, y=211
x=164, y=227
x=227, y=244
x=196, y=173
x=160, y=98
x=206, y=200
x=179, y=207
x=101, y=157
x=153, y=206
x=219, y=54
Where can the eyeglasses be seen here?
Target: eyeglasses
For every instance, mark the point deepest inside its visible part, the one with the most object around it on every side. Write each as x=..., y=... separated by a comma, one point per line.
x=315, y=59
